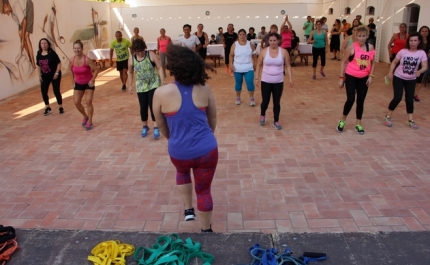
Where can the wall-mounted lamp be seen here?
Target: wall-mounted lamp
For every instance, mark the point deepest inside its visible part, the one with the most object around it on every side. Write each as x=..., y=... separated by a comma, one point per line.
x=282, y=12
x=134, y=16
x=207, y=13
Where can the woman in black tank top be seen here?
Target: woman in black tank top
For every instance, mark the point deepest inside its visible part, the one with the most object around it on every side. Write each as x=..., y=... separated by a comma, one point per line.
x=204, y=41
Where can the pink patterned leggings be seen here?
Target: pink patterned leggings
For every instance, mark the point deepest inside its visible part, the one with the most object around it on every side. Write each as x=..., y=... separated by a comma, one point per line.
x=203, y=171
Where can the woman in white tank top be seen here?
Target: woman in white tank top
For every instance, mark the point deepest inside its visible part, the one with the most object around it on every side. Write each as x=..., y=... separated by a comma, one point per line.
x=242, y=55
x=271, y=62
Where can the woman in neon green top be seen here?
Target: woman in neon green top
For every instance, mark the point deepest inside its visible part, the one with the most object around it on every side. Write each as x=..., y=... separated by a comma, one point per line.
x=318, y=39
x=149, y=76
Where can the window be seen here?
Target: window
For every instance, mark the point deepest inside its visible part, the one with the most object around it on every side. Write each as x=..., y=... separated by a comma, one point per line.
x=330, y=11
x=347, y=11
x=370, y=10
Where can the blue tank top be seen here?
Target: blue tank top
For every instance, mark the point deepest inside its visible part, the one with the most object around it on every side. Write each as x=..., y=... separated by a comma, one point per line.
x=190, y=134
x=319, y=39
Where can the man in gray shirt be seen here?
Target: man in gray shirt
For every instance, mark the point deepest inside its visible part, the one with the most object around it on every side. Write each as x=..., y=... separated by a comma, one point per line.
x=219, y=36
x=262, y=33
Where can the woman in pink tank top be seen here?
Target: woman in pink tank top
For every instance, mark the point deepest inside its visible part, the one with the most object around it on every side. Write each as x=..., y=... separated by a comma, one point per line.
x=84, y=72
x=270, y=66
x=162, y=42
x=356, y=73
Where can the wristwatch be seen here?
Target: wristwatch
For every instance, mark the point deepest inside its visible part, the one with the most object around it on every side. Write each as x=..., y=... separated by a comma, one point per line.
x=57, y=73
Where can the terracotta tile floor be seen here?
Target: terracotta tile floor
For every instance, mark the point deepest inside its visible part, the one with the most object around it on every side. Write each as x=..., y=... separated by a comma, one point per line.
x=304, y=178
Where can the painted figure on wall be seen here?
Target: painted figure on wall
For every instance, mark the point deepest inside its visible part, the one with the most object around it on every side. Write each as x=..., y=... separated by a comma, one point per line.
x=49, y=24
x=95, y=18
x=22, y=12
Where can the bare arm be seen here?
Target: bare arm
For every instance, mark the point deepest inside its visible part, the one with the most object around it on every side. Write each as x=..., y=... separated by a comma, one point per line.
x=231, y=56
x=259, y=67
x=311, y=38
x=71, y=70
x=390, y=43
x=110, y=56
x=130, y=74
x=290, y=27
x=327, y=46
x=157, y=62
x=211, y=110
x=94, y=70
x=392, y=67
x=206, y=41
x=424, y=66
x=343, y=64
x=286, y=57
x=159, y=117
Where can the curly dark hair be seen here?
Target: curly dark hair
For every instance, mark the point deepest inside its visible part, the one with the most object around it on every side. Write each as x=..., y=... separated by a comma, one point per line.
x=40, y=46
x=186, y=65
x=138, y=45
x=420, y=38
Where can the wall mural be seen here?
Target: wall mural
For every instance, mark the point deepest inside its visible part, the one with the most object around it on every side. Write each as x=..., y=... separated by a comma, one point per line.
x=24, y=22
x=22, y=13
x=90, y=36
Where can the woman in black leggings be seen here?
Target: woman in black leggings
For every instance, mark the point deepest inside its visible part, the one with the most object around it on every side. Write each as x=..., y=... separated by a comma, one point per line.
x=49, y=72
x=271, y=63
x=405, y=75
x=318, y=39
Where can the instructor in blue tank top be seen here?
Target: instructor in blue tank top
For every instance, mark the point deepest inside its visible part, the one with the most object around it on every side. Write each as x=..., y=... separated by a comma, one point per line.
x=186, y=115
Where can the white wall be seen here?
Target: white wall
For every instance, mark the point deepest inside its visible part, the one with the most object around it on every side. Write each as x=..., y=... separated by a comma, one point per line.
x=135, y=3
x=151, y=18
x=72, y=15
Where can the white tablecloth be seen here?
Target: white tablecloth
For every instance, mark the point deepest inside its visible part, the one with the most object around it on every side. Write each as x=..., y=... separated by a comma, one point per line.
x=215, y=49
x=305, y=48
x=151, y=45
x=100, y=54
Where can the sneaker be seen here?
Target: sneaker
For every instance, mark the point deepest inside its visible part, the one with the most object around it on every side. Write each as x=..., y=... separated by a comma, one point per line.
x=388, y=121
x=340, y=126
x=145, y=130
x=277, y=126
x=208, y=230
x=84, y=122
x=262, y=120
x=124, y=88
x=412, y=125
x=231, y=73
x=252, y=102
x=237, y=100
x=61, y=110
x=189, y=215
x=416, y=98
x=156, y=133
x=47, y=111
x=359, y=129
x=322, y=74
x=314, y=77
x=88, y=126
x=226, y=70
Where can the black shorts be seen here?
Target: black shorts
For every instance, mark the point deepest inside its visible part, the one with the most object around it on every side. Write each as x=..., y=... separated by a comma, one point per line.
x=121, y=65
x=84, y=87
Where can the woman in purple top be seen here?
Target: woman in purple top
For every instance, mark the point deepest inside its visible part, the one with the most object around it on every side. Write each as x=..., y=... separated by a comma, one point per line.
x=271, y=65
x=186, y=115
x=405, y=76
